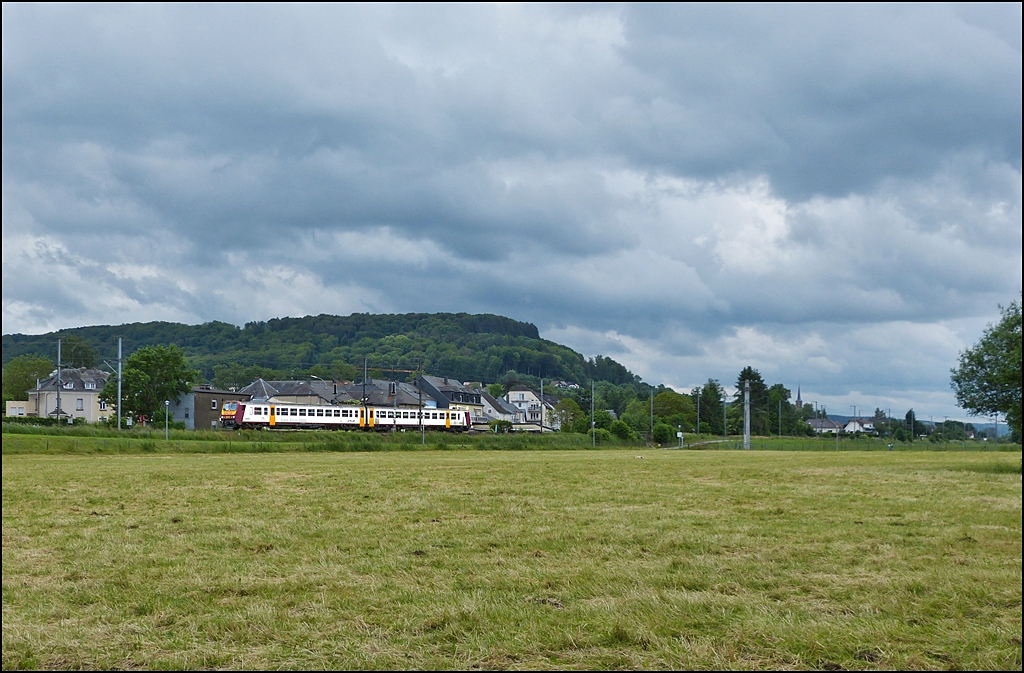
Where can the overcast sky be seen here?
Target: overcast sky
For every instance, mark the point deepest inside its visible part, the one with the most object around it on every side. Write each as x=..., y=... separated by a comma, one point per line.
x=831, y=194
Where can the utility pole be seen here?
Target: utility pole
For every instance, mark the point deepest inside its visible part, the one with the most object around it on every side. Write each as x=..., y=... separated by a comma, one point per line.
x=542, y=405
x=725, y=415
x=118, y=383
x=593, y=426
x=366, y=417
x=59, y=383
x=780, y=417
x=746, y=415
x=698, y=411
x=419, y=386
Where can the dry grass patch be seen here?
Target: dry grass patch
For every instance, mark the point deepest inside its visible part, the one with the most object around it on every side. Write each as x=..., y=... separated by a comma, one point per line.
x=512, y=560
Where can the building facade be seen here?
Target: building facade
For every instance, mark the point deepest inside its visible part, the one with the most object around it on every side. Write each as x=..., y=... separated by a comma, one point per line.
x=78, y=391
x=531, y=409
x=200, y=408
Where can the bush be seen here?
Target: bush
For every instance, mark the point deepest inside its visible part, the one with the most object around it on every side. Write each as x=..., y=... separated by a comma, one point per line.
x=31, y=420
x=620, y=429
x=500, y=426
x=663, y=433
x=601, y=435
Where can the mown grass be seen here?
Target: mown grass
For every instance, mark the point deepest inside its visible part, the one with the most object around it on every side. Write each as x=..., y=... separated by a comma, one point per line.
x=569, y=559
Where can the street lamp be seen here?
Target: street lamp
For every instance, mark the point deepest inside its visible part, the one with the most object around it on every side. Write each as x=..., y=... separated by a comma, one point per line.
x=167, y=417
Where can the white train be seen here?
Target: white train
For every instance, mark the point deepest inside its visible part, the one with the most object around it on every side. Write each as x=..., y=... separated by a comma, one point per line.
x=299, y=416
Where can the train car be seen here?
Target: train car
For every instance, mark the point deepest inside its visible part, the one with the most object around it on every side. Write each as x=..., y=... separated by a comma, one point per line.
x=227, y=413
x=311, y=417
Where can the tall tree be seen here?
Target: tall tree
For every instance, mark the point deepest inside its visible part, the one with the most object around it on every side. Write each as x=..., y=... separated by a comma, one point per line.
x=758, y=398
x=151, y=375
x=711, y=396
x=988, y=377
x=675, y=409
x=21, y=373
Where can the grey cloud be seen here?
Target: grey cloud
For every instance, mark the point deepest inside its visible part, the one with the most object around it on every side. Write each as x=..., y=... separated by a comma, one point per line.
x=669, y=174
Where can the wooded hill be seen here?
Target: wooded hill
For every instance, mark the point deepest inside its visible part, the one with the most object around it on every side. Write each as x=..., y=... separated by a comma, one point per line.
x=486, y=348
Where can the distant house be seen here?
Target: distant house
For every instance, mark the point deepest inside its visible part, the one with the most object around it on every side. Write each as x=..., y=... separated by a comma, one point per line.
x=16, y=407
x=318, y=392
x=457, y=395
x=824, y=426
x=388, y=394
x=79, y=392
x=862, y=425
x=531, y=411
x=290, y=392
x=200, y=408
x=498, y=409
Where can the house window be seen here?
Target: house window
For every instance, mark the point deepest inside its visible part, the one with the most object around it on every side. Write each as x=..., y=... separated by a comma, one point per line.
x=103, y=405
x=213, y=404
x=70, y=385
x=90, y=386
x=79, y=404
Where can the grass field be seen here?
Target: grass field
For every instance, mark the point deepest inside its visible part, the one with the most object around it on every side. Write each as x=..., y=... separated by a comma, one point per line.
x=22, y=439
x=511, y=559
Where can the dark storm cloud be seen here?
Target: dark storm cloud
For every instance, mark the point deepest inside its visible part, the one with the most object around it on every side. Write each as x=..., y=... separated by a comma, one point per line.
x=694, y=188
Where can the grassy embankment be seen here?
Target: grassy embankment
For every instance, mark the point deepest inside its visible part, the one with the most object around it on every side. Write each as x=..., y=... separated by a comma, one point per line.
x=25, y=439
x=719, y=559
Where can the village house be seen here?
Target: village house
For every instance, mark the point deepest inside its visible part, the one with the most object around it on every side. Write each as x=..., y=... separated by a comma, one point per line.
x=200, y=408
x=862, y=425
x=79, y=393
x=824, y=426
x=458, y=396
x=531, y=410
x=498, y=409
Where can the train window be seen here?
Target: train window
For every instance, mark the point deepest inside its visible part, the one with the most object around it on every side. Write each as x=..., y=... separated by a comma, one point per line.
x=319, y=412
x=302, y=412
x=391, y=414
x=405, y=414
x=337, y=413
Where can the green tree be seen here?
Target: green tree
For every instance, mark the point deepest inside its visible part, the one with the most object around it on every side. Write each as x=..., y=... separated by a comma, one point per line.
x=663, y=433
x=711, y=396
x=675, y=409
x=758, y=398
x=76, y=352
x=988, y=378
x=567, y=413
x=21, y=373
x=638, y=416
x=602, y=419
x=620, y=429
x=151, y=375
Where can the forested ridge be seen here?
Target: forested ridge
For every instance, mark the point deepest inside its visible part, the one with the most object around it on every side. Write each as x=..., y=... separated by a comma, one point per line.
x=468, y=347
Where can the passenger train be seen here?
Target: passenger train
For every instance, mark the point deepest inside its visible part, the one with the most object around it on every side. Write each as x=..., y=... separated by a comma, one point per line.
x=298, y=416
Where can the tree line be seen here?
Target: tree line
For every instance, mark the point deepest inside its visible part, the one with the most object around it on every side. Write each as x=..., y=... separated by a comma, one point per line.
x=485, y=348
